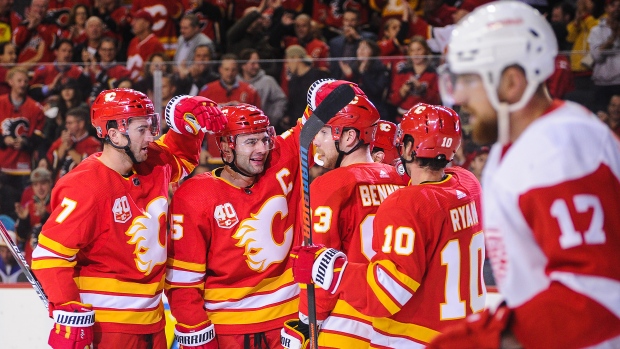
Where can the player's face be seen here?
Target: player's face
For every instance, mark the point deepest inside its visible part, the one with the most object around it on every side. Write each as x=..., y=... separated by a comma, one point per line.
x=326, y=147
x=139, y=131
x=252, y=151
x=470, y=94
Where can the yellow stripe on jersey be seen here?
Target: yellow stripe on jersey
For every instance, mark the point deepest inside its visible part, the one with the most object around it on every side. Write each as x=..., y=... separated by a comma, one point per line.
x=384, y=297
x=52, y=263
x=266, y=285
x=130, y=317
x=335, y=340
x=345, y=308
x=399, y=329
x=252, y=316
x=87, y=283
x=196, y=267
x=56, y=246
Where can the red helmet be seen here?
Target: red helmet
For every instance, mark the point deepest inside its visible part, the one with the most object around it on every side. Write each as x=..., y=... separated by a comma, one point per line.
x=120, y=105
x=244, y=119
x=436, y=130
x=359, y=114
x=321, y=88
x=384, y=139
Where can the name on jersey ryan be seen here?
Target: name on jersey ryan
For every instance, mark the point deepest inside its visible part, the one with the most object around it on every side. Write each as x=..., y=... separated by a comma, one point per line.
x=464, y=216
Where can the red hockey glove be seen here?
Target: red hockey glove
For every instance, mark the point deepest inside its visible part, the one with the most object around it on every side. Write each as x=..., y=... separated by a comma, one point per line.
x=192, y=114
x=201, y=336
x=319, y=265
x=478, y=331
x=295, y=334
x=73, y=328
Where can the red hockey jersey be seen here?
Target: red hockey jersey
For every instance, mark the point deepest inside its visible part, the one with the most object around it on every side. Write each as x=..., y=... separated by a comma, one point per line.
x=85, y=146
x=343, y=216
x=229, y=249
x=105, y=241
x=29, y=43
x=427, y=272
x=23, y=121
x=166, y=14
x=139, y=52
x=242, y=92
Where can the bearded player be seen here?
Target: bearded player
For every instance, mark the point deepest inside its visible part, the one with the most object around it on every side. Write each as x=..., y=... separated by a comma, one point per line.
x=101, y=255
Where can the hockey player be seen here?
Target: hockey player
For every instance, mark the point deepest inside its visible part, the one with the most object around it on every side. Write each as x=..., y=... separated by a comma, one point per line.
x=551, y=190
x=428, y=241
x=101, y=255
x=343, y=202
x=229, y=281
x=382, y=148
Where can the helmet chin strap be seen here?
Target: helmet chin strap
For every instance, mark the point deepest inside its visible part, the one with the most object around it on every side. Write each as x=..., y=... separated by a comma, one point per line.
x=342, y=153
x=125, y=148
x=503, y=123
x=235, y=171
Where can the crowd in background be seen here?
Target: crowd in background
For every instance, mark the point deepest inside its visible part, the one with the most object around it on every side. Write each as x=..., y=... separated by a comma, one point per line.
x=56, y=56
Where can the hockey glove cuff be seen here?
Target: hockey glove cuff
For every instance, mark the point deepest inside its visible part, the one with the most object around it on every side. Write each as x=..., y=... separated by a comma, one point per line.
x=73, y=326
x=319, y=265
x=295, y=334
x=201, y=336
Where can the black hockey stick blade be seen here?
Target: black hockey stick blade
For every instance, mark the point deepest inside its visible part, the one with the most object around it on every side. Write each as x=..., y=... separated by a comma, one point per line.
x=332, y=104
x=17, y=254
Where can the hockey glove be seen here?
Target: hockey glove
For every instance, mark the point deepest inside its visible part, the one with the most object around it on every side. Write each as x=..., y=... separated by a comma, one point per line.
x=295, y=334
x=319, y=265
x=192, y=114
x=479, y=331
x=201, y=336
x=73, y=326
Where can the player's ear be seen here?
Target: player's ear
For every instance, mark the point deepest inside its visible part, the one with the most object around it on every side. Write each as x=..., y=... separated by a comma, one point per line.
x=512, y=85
x=378, y=156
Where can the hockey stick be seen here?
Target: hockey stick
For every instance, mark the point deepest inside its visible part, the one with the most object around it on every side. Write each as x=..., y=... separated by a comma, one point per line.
x=332, y=104
x=17, y=254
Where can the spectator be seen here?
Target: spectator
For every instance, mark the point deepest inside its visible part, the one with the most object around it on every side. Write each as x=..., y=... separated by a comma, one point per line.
x=168, y=91
x=107, y=71
x=612, y=116
x=414, y=80
x=190, y=38
x=77, y=24
x=604, y=41
x=331, y=16
x=144, y=45
x=478, y=160
x=271, y=95
x=210, y=16
x=21, y=120
x=9, y=20
x=166, y=15
x=303, y=36
x=8, y=57
x=70, y=97
x=369, y=73
x=250, y=32
x=48, y=78
x=33, y=210
x=157, y=61
x=86, y=52
x=394, y=32
x=116, y=18
x=562, y=81
x=33, y=38
x=230, y=89
x=10, y=196
x=196, y=74
x=303, y=75
x=437, y=13
x=74, y=143
x=562, y=13
x=578, y=32
x=345, y=45
x=10, y=272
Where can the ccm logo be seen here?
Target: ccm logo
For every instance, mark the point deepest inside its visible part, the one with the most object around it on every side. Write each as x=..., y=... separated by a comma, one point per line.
x=259, y=121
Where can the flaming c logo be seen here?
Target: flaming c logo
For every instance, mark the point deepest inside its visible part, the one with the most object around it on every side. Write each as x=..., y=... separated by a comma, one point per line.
x=144, y=233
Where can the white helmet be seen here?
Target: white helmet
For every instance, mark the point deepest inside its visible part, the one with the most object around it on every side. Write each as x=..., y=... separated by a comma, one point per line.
x=498, y=35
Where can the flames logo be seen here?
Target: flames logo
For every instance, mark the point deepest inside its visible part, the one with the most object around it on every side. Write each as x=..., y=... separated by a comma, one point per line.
x=256, y=235
x=144, y=233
